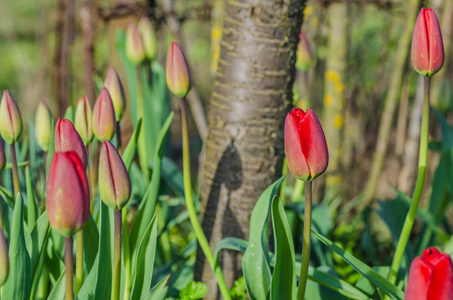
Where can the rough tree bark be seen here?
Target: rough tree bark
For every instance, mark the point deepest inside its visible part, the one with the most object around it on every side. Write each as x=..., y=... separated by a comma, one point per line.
x=244, y=147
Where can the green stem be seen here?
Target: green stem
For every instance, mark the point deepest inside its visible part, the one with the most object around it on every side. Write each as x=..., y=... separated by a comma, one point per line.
x=422, y=162
x=69, y=264
x=126, y=257
x=117, y=257
x=79, y=261
x=15, y=171
x=191, y=208
x=306, y=245
x=118, y=138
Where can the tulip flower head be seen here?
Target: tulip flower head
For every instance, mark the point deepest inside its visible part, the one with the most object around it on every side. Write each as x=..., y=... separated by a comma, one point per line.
x=104, y=121
x=115, y=88
x=134, y=46
x=66, y=138
x=43, y=126
x=427, y=52
x=10, y=119
x=2, y=157
x=4, y=259
x=114, y=182
x=82, y=120
x=68, y=195
x=148, y=37
x=430, y=277
x=305, y=145
x=178, y=73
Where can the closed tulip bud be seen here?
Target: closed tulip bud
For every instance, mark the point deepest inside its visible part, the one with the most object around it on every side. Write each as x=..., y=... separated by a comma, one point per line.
x=10, y=120
x=2, y=157
x=430, y=277
x=104, y=121
x=148, y=37
x=4, y=259
x=116, y=91
x=43, y=126
x=68, y=195
x=305, y=145
x=67, y=138
x=427, y=52
x=304, y=53
x=82, y=120
x=178, y=74
x=114, y=182
x=134, y=46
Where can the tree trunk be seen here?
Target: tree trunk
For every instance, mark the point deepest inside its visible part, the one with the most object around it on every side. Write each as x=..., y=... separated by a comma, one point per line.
x=244, y=147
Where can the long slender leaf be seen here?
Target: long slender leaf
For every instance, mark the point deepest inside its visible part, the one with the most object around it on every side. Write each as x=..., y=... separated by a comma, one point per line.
x=104, y=275
x=58, y=291
x=32, y=206
x=129, y=153
x=7, y=196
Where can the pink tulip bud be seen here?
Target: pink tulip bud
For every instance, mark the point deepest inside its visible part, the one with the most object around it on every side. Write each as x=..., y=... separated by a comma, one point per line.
x=148, y=37
x=10, y=119
x=43, y=126
x=305, y=145
x=68, y=195
x=178, y=74
x=104, y=121
x=430, y=277
x=4, y=259
x=115, y=88
x=114, y=182
x=67, y=138
x=427, y=52
x=134, y=47
x=82, y=120
x=2, y=157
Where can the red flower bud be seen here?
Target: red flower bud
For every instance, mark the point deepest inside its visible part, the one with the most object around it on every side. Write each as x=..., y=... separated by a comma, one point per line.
x=114, y=182
x=305, y=145
x=82, y=120
x=10, y=119
x=148, y=37
x=134, y=46
x=4, y=258
x=67, y=138
x=68, y=195
x=115, y=88
x=427, y=52
x=178, y=73
x=43, y=126
x=430, y=277
x=104, y=121
x=2, y=157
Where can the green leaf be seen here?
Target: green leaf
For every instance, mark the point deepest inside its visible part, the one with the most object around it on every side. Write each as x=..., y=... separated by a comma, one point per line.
x=147, y=206
x=17, y=286
x=255, y=262
x=144, y=261
x=193, y=290
x=59, y=289
x=104, y=277
x=230, y=243
x=129, y=153
x=363, y=269
x=7, y=196
x=90, y=247
x=283, y=284
x=19, y=165
x=88, y=288
x=159, y=291
x=32, y=206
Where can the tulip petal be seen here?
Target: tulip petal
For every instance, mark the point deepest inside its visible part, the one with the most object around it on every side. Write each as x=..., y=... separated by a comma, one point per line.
x=66, y=138
x=441, y=287
x=295, y=158
x=419, y=280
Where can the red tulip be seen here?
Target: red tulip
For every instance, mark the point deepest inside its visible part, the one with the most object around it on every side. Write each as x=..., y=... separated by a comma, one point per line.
x=177, y=70
x=305, y=145
x=114, y=182
x=2, y=157
x=427, y=53
x=430, y=277
x=67, y=138
x=116, y=91
x=10, y=119
x=104, y=121
x=68, y=195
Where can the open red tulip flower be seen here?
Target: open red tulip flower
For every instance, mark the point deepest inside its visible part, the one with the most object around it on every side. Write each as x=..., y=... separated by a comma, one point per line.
x=68, y=194
x=305, y=145
x=427, y=52
x=67, y=138
x=430, y=277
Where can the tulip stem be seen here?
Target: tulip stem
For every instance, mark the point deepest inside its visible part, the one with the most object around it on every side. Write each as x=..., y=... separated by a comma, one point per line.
x=306, y=242
x=118, y=138
x=117, y=256
x=126, y=257
x=69, y=264
x=191, y=208
x=422, y=162
x=79, y=261
x=15, y=171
